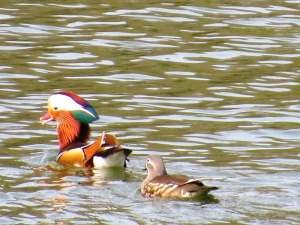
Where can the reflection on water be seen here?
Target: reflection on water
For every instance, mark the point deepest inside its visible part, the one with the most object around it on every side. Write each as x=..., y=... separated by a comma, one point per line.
x=212, y=87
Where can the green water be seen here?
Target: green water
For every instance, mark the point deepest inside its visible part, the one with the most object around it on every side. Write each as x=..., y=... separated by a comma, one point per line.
x=212, y=86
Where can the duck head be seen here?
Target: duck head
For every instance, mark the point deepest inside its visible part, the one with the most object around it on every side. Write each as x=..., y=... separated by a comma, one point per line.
x=155, y=166
x=62, y=102
x=73, y=115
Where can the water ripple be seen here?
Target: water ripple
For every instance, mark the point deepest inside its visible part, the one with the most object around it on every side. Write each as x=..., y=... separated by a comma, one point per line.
x=266, y=22
x=119, y=34
x=174, y=11
x=67, y=56
x=120, y=77
x=80, y=23
x=123, y=44
x=5, y=17
x=176, y=57
x=216, y=11
x=19, y=76
x=69, y=6
x=22, y=30
x=210, y=86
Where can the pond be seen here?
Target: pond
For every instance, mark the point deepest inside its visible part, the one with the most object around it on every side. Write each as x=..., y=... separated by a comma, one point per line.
x=212, y=86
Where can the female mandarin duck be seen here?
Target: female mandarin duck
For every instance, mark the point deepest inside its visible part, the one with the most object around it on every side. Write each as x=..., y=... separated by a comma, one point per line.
x=73, y=115
x=159, y=183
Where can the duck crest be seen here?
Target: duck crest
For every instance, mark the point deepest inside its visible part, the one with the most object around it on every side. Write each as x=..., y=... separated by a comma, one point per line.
x=75, y=97
x=71, y=133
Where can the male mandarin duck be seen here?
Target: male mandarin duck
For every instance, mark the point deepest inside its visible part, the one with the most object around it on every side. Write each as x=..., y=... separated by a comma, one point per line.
x=159, y=183
x=73, y=115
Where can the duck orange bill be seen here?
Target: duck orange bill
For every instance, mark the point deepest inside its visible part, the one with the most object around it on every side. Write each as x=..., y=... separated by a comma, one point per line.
x=47, y=117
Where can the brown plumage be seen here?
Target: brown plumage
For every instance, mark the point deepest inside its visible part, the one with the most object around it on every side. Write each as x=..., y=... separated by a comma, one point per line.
x=159, y=183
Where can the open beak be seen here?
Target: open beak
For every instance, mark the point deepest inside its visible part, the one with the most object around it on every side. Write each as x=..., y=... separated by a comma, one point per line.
x=47, y=117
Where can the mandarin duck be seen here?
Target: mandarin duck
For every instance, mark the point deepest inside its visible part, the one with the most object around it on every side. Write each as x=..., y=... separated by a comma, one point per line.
x=160, y=183
x=73, y=115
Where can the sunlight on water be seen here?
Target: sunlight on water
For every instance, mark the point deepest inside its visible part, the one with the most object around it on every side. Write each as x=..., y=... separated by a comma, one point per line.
x=212, y=87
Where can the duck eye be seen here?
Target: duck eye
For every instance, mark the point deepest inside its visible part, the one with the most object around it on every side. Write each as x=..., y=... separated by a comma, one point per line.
x=55, y=108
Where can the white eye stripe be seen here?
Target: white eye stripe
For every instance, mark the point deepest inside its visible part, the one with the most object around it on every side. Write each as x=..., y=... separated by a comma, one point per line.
x=64, y=102
x=60, y=101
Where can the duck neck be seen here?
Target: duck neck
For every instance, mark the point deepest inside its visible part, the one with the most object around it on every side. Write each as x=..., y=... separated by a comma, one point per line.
x=152, y=173
x=71, y=133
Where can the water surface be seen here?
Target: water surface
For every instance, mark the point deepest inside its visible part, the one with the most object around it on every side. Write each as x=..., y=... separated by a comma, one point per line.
x=212, y=86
